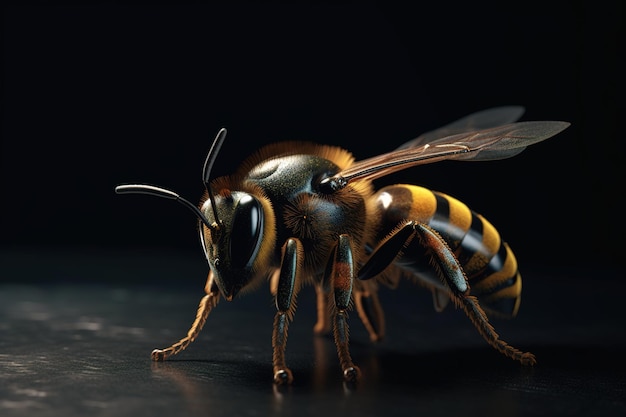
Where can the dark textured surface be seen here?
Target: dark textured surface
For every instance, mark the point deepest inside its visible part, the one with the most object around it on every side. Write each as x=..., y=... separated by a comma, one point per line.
x=78, y=349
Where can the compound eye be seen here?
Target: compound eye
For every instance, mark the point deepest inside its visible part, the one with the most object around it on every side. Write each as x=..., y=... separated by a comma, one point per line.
x=246, y=233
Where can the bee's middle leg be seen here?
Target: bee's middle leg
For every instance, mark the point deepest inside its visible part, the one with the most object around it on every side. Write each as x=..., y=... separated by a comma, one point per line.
x=342, y=281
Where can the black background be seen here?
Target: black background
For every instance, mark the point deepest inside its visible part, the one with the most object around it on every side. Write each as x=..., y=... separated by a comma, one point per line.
x=102, y=94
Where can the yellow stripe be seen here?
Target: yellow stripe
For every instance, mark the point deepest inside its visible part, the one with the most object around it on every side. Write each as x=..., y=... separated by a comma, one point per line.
x=424, y=203
x=476, y=263
x=509, y=269
x=460, y=214
x=491, y=237
x=514, y=291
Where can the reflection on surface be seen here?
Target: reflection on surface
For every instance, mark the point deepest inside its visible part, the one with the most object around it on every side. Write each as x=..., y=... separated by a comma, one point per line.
x=322, y=375
x=188, y=387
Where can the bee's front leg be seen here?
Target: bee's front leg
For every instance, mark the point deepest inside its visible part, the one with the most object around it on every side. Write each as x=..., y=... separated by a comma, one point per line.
x=208, y=302
x=342, y=281
x=287, y=288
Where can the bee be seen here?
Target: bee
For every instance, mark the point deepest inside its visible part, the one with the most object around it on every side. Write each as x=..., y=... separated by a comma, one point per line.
x=300, y=213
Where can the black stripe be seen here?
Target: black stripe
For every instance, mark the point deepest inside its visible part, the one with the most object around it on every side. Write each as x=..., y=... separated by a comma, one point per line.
x=472, y=242
x=441, y=220
x=398, y=211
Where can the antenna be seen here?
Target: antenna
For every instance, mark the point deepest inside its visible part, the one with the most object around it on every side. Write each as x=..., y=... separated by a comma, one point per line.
x=206, y=171
x=171, y=195
x=161, y=192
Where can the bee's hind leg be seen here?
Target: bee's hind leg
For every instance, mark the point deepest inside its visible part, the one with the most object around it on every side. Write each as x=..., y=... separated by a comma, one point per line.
x=451, y=272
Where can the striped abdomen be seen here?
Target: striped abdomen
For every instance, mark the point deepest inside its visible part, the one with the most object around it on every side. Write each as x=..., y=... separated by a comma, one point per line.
x=488, y=262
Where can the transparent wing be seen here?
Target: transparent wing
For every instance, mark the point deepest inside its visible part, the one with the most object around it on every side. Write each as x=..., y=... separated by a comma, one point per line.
x=496, y=116
x=488, y=144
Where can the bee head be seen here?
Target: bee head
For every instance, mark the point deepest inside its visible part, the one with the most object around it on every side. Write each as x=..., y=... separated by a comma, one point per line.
x=232, y=248
x=232, y=227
